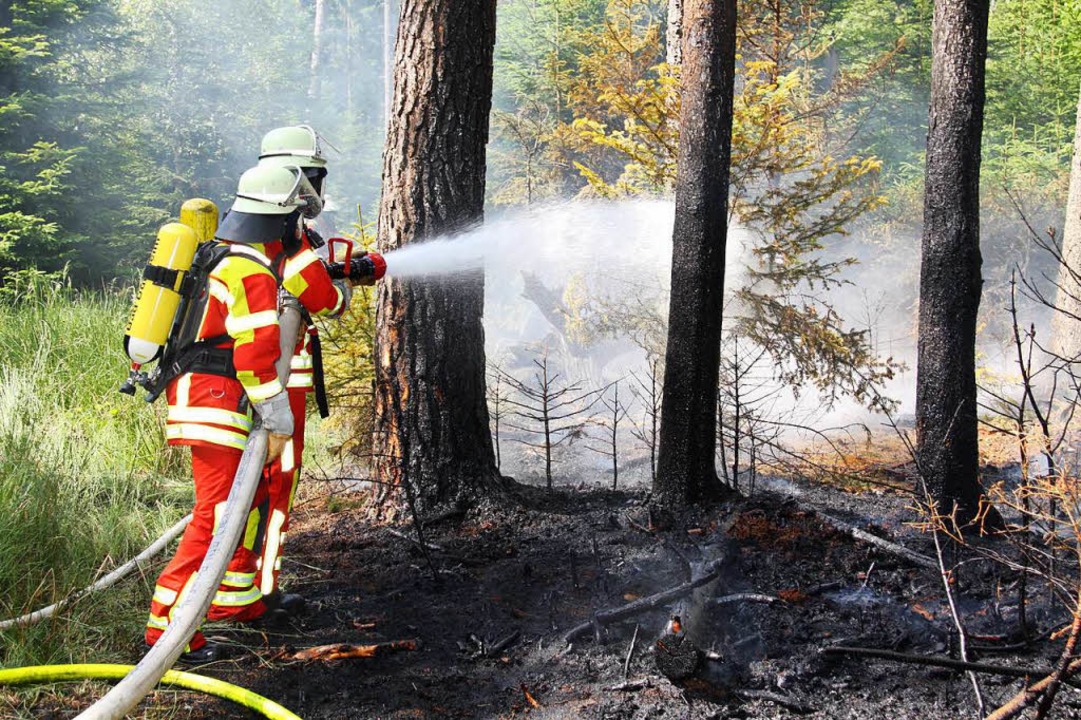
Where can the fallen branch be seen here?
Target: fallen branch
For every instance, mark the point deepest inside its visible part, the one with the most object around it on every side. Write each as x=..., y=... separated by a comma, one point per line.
x=776, y=699
x=942, y=662
x=893, y=548
x=343, y=651
x=605, y=617
x=502, y=645
x=745, y=597
x=1022, y=700
x=631, y=685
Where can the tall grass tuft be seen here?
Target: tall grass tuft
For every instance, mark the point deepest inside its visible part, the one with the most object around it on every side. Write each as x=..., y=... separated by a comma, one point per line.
x=85, y=478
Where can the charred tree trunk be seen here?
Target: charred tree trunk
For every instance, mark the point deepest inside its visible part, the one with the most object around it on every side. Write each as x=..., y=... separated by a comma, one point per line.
x=431, y=413
x=1066, y=329
x=686, y=468
x=950, y=280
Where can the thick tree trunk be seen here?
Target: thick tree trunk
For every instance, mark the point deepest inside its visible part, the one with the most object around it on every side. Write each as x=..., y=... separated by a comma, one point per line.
x=431, y=411
x=314, y=83
x=686, y=469
x=674, y=36
x=1066, y=330
x=950, y=281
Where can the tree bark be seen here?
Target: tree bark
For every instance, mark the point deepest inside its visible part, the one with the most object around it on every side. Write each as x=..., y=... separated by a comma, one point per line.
x=431, y=412
x=686, y=469
x=950, y=280
x=674, y=35
x=1066, y=330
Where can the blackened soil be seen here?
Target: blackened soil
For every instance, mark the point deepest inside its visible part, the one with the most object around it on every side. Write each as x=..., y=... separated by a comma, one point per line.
x=522, y=575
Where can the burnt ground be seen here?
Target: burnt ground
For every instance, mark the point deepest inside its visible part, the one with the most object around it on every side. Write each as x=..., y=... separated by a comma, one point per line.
x=523, y=574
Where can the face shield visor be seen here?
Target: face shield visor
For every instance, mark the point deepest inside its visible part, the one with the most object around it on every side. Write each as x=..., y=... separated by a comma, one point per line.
x=317, y=178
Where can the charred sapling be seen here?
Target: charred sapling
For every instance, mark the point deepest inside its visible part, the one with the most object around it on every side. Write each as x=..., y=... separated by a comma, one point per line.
x=648, y=392
x=614, y=413
x=550, y=407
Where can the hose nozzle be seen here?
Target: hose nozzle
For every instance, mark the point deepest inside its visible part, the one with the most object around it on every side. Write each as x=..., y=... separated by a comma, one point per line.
x=361, y=270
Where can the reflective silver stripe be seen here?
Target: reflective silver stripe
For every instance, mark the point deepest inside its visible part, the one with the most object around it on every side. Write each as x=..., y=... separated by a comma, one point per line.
x=302, y=361
x=164, y=595
x=220, y=291
x=214, y=416
x=183, y=390
x=217, y=436
x=259, y=393
x=270, y=554
x=237, y=599
x=235, y=325
x=157, y=622
x=238, y=579
x=296, y=264
x=289, y=461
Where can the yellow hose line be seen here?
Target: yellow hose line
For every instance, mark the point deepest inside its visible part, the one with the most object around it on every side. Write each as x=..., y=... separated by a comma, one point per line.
x=44, y=674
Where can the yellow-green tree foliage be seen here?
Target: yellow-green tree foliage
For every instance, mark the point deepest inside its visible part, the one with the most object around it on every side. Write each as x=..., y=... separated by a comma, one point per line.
x=794, y=186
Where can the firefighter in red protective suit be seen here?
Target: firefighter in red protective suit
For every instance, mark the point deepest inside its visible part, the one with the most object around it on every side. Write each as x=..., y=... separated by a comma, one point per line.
x=229, y=372
x=306, y=281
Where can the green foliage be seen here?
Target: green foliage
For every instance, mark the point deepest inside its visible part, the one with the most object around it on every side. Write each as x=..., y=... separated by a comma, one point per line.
x=82, y=474
x=793, y=184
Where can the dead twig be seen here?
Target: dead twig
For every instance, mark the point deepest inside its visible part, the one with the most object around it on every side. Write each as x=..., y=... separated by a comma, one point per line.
x=631, y=685
x=605, y=617
x=942, y=662
x=502, y=645
x=891, y=547
x=745, y=597
x=630, y=652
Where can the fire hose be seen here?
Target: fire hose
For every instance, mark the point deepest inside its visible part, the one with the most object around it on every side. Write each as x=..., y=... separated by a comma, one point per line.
x=188, y=681
x=188, y=614
x=104, y=583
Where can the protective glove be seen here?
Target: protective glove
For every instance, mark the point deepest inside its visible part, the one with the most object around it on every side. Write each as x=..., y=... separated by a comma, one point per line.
x=278, y=421
x=347, y=294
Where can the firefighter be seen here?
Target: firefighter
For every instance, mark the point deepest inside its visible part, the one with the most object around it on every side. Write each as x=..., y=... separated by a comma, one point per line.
x=232, y=373
x=306, y=281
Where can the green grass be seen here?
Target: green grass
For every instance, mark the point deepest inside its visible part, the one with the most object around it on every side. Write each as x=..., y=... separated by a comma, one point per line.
x=85, y=478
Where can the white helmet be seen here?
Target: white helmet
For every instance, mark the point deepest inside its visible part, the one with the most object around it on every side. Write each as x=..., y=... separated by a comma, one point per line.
x=266, y=197
x=299, y=146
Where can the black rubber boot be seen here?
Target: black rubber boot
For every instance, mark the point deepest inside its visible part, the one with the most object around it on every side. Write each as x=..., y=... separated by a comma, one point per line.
x=211, y=652
x=273, y=619
x=291, y=603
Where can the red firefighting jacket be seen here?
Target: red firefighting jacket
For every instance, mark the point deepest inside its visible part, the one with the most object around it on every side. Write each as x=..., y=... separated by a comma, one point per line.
x=207, y=409
x=305, y=277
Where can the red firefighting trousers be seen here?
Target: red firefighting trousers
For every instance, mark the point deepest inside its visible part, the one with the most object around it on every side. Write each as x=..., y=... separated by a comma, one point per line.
x=238, y=598
x=282, y=486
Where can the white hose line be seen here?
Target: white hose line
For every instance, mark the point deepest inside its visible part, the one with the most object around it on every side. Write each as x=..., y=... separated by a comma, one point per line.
x=189, y=612
x=104, y=583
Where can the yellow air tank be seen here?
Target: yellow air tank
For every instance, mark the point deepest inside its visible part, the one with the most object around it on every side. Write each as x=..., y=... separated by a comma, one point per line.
x=201, y=216
x=154, y=311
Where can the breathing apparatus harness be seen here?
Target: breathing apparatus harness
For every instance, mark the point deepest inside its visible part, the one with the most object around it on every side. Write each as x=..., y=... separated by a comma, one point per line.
x=183, y=352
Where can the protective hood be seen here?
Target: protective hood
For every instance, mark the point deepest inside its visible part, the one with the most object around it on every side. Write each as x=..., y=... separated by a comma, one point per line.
x=252, y=228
